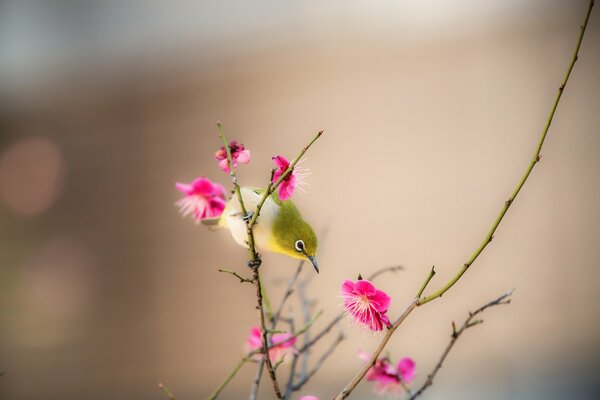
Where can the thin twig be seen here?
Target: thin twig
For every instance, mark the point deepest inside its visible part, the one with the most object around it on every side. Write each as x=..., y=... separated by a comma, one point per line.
x=228, y=378
x=265, y=339
x=306, y=309
x=431, y=274
x=288, y=292
x=166, y=391
x=534, y=160
x=393, y=268
x=322, y=359
x=241, y=278
x=469, y=322
x=257, y=376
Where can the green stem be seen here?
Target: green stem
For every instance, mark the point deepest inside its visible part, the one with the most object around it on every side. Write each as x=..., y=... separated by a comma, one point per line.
x=424, y=285
x=534, y=160
x=229, y=377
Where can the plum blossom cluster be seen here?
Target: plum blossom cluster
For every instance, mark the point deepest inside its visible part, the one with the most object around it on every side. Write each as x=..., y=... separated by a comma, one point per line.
x=390, y=379
x=204, y=199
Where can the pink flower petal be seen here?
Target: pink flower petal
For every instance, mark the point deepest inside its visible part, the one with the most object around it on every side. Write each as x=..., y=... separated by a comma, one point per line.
x=381, y=301
x=365, y=287
x=406, y=367
x=183, y=187
x=282, y=163
x=203, y=186
x=347, y=287
x=224, y=165
x=243, y=157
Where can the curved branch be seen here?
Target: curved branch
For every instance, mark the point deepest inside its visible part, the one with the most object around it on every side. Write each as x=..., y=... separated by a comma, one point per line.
x=534, y=160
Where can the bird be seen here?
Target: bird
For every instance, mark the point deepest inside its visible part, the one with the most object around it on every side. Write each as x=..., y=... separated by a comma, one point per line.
x=279, y=227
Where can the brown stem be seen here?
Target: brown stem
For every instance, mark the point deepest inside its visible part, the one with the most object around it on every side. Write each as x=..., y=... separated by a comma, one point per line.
x=469, y=322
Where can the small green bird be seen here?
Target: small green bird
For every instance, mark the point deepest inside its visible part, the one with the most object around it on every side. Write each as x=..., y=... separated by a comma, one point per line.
x=279, y=227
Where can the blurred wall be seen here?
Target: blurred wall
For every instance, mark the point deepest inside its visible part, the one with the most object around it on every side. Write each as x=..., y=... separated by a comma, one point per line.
x=431, y=113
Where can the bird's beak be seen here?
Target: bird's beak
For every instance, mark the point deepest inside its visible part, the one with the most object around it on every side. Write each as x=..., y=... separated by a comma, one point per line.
x=313, y=260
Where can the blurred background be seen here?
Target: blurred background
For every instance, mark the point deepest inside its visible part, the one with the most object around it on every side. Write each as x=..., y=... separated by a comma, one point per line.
x=431, y=112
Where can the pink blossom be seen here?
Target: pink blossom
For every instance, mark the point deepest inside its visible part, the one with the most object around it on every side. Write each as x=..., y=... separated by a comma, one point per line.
x=367, y=304
x=308, y=398
x=239, y=154
x=203, y=199
x=292, y=181
x=387, y=377
x=283, y=342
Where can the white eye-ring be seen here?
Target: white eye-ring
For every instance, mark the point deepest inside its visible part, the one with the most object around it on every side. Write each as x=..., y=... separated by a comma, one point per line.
x=299, y=245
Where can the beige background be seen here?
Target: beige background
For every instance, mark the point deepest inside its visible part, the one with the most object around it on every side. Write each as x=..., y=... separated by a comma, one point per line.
x=431, y=114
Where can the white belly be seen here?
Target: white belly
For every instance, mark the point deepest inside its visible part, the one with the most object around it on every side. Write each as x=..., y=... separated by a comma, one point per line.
x=264, y=224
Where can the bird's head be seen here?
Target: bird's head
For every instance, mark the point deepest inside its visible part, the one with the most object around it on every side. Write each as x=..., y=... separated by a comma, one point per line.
x=293, y=236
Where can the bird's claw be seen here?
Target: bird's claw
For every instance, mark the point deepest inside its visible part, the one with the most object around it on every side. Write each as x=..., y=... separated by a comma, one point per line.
x=254, y=263
x=248, y=216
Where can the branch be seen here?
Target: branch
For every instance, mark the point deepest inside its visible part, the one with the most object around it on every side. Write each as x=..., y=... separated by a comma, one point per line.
x=316, y=368
x=229, y=377
x=534, y=160
x=424, y=285
x=241, y=278
x=256, y=382
x=265, y=339
x=166, y=391
x=469, y=322
x=286, y=295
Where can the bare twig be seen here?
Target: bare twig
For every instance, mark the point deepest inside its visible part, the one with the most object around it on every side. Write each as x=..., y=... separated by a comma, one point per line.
x=228, y=378
x=469, y=322
x=322, y=359
x=306, y=310
x=265, y=339
x=256, y=382
x=393, y=268
x=241, y=278
x=166, y=391
x=431, y=274
x=534, y=160
x=286, y=295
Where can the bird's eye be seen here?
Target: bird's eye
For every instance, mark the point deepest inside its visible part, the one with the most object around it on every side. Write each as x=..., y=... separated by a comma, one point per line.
x=299, y=245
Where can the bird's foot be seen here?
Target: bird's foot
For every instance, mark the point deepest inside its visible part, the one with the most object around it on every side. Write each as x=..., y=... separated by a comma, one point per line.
x=248, y=216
